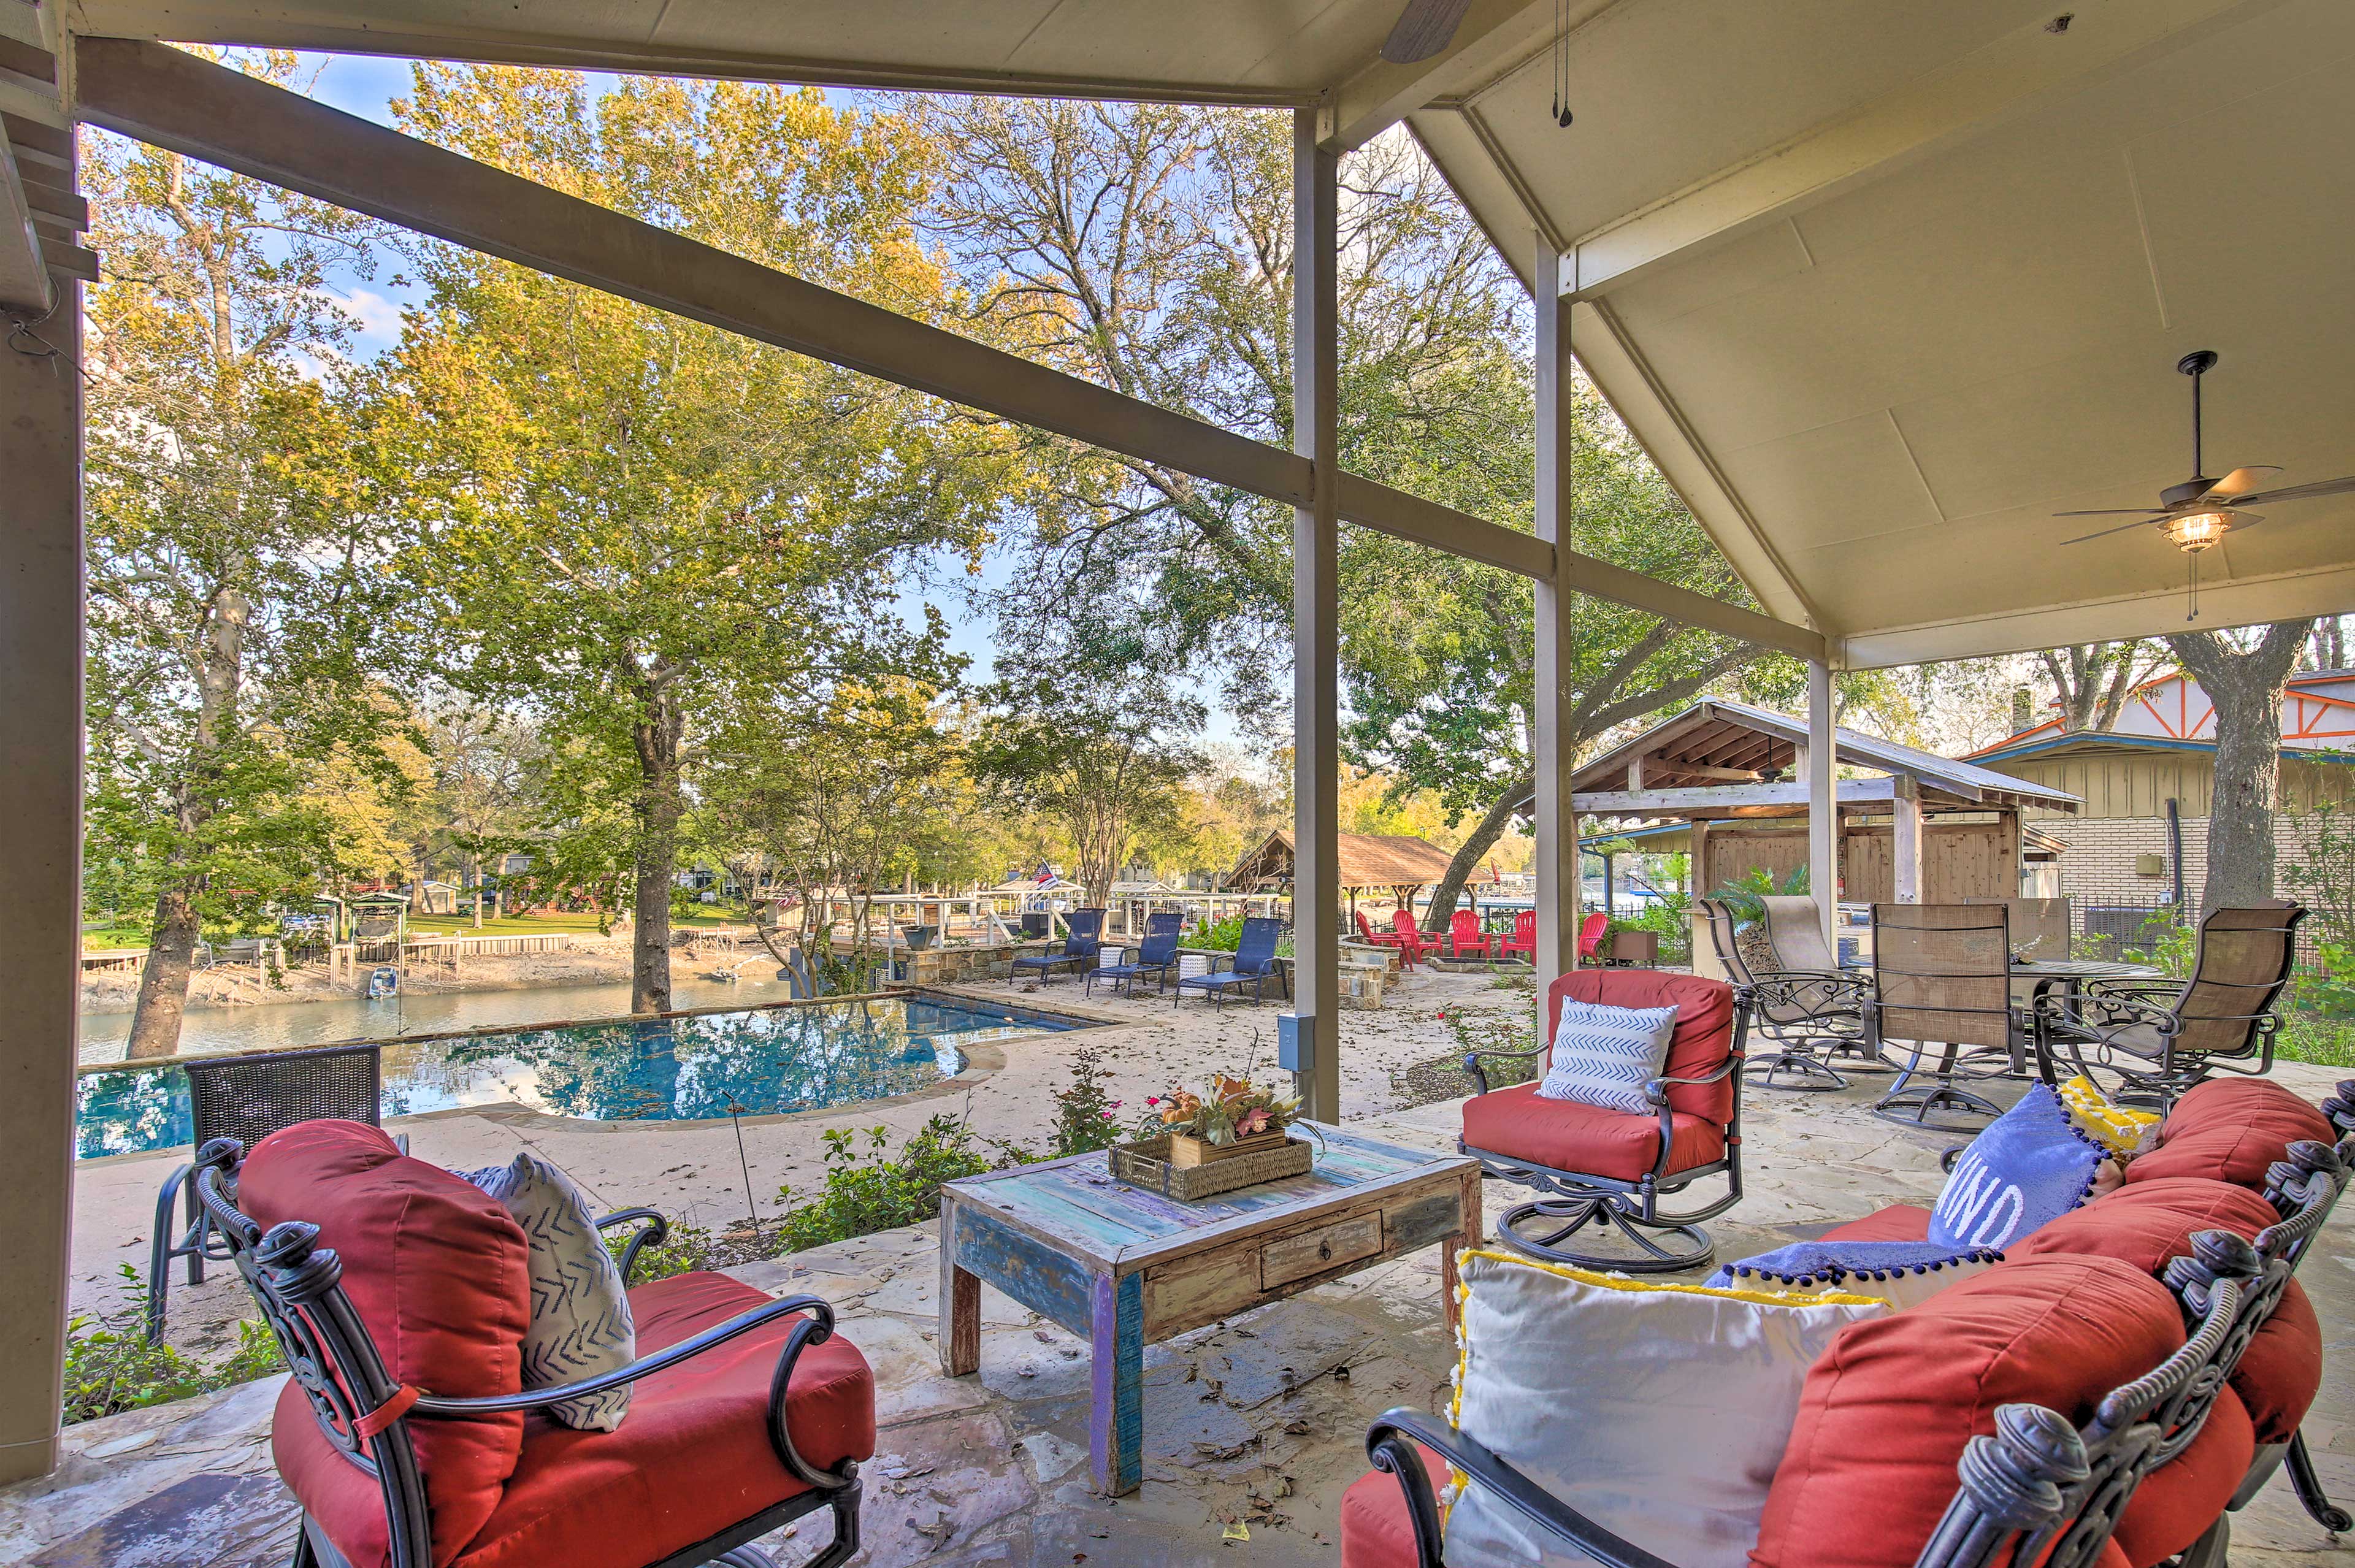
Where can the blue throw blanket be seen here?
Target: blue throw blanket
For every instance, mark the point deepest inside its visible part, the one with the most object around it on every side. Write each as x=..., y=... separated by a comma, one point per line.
x=1809, y=1266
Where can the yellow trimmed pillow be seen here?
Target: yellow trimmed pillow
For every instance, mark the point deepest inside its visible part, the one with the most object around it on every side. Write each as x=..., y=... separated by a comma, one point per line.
x=1660, y=1411
x=2118, y=1128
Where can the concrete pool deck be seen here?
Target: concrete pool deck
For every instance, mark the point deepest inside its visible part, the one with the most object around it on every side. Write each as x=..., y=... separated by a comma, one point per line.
x=1252, y=1426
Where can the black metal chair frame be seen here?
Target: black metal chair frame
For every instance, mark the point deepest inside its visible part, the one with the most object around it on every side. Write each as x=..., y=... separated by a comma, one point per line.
x=1219, y=982
x=1943, y=1093
x=1577, y=1200
x=1816, y=1009
x=1163, y=970
x=1075, y=949
x=293, y=1101
x=2094, y=1018
x=335, y=1363
x=2294, y=1187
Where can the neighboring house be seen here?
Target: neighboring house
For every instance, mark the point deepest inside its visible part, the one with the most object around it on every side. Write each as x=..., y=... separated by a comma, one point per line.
x=2140, y=839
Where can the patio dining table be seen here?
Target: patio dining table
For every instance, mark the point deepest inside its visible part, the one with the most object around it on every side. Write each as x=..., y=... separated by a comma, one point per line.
x=2044, y=977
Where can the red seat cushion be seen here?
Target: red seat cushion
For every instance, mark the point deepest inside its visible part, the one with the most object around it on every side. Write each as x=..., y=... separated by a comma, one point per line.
x=1704, y=1032
x=1375, y=1530
x=2229, y=1130
x=1584, y=1139
x=2176, y=1502
x=440, y=1276
x=1887, y=1411
x=693, y=1455
x=2281, y=1370
x=1898, y=1222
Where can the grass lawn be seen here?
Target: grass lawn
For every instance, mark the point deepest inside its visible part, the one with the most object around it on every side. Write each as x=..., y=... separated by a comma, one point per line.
x=2309, y=1037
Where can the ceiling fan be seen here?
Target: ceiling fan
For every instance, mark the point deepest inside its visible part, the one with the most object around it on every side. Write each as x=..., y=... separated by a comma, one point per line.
x=2201, y=511
x=1423, y=29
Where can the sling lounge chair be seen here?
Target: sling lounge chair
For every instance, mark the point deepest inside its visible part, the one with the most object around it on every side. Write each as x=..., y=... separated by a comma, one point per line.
x=1254, y=966
x=1084, y=941
x=1158, y=957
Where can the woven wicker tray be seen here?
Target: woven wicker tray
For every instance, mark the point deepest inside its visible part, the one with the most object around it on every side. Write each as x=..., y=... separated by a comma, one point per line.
x=1146, y=1165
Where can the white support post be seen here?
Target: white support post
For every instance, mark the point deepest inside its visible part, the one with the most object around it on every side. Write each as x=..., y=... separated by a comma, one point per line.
x=1315, y=650
x=1822, y=767
x=1905, y=842
x=1552, y=750
x=40, y=861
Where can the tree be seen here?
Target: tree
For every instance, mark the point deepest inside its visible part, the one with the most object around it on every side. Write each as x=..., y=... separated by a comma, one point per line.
x=2243, y=681
x=633, y=524
x=2092, y=680
x=232, y=541
x=1105, y=763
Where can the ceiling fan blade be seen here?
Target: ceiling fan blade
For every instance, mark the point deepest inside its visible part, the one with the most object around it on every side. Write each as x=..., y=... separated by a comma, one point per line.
x=2240, y=481
x=2105, y=533
x=1424, y=29
x=2300, y=492
x=2117, y=512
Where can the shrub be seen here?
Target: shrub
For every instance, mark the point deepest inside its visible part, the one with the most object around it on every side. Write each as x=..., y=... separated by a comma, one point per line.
x=1086, y=1115
x=2329, y=987
x=1488, y=1030
x=111, y=1368
x=1226, y=935
x=684, y=1250
x=865, y=1192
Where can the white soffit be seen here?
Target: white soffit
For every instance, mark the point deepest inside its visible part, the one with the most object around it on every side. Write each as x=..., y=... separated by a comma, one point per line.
x=1882, y=287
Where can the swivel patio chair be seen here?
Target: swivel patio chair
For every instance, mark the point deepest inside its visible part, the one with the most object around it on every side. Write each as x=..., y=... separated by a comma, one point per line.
x=2159, y=1038
x=1083, y=939
x=247, y=1098
x=1804, y=1016
x=1404, y=946
x=1524, y=940
x=1464, y=934
x=1795, y=938
x=1158, y=957
x=1942, y=974
x=1254, y=965
x=1605, y=1168
x=381, y=1276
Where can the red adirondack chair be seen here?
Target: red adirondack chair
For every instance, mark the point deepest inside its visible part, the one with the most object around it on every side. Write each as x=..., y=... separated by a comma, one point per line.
x=1411, y=941
x=1406, y=947
x=1524, y=939
x=1590, y=936
x=1465, y=935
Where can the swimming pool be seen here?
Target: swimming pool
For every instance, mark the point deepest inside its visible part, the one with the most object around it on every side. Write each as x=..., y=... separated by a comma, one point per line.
x=685, y=1068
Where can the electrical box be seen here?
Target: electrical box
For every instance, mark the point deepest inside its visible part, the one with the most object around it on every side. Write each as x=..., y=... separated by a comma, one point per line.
x=2151, y=865
x=1295, y=1042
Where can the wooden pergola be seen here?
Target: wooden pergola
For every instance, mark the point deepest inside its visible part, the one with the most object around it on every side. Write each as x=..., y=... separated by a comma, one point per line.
x=1397, y=863
x=1738, y=231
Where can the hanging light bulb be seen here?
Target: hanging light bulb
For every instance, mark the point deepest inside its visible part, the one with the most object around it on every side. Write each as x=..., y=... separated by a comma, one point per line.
x=2197, y=531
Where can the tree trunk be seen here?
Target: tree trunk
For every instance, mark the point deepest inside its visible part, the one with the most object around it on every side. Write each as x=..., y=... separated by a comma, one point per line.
x=2245, y=689
x=164, y=985
x=1491, y=827
x=659, y=810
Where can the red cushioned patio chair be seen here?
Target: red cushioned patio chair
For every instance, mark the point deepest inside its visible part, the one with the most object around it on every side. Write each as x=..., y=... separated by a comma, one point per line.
x=1603, y=1167
x=1465, y=935
x=762, y=1417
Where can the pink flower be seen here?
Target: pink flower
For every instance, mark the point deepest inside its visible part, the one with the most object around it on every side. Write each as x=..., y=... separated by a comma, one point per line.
x=1252, y=1121
x=1115, y=1104
x=1153, y=1099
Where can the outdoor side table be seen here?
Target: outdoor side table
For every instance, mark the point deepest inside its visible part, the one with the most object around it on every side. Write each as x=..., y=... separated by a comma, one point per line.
x=1123, y=1267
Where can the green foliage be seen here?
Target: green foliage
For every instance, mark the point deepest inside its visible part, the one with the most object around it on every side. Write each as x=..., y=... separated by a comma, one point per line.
x=2165, y=943
x=2327, y=988
x=1227, y=935
x=2325, y=1042
x=2320, y=871
x=1478, y=1029
x=1086, y=1115
x=866, y=1191
x=110, y=1367
x=685, y=1249
x=1743, y=894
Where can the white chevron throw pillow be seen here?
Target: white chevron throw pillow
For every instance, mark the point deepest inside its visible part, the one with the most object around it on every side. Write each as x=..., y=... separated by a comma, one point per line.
x=581, y=1322
x=1603, y=1056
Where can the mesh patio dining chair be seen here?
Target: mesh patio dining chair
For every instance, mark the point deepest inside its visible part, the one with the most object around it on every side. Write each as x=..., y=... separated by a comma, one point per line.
x=1804, y=1016
x=1794, y=937
x=247, y=1098
x=1942, y=978
x=2159, y=1038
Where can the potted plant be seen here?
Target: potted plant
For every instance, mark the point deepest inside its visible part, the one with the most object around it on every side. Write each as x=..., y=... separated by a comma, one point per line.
x=1233, y=1117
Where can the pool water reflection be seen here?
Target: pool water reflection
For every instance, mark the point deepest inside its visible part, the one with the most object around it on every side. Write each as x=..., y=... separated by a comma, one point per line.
x=764, y=1061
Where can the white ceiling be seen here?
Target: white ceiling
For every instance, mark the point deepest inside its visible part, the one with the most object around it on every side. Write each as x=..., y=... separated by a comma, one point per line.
x=1881, y=284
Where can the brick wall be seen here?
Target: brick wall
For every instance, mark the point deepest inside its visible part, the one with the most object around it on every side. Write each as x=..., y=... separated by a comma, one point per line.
x=2097, y=867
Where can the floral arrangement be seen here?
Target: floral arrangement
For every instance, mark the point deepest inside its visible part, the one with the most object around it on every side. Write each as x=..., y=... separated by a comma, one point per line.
x=1229, y=1109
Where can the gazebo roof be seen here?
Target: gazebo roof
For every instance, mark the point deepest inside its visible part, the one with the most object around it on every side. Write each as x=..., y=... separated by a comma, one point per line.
x=1712, y=759
x=1366, y=861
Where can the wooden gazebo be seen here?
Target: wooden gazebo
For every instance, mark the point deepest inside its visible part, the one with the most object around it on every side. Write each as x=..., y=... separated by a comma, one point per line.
x=1395, y=863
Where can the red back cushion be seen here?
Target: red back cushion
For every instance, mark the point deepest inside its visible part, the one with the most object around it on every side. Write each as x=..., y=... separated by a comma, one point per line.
x=2176, y=1502
x=2281, y=1370
x=2150, y=1221
x=440, y=1276
x=1704, y=1033
x=1888, y=1409
x=2229, y=1130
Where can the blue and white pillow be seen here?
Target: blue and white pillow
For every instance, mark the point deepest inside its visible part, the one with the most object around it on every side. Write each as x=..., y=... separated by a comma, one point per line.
x=1603, y=1056
x=1903, y=1274
x=581, y=1322
x=2028, y=1167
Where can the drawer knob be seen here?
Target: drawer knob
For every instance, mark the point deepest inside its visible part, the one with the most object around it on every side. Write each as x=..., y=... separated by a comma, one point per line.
x=1325, y=1249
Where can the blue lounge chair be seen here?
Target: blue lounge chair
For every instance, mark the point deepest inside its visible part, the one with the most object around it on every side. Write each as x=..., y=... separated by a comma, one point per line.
x=1158, y=957
x=1254, y=966
x=1085, y=939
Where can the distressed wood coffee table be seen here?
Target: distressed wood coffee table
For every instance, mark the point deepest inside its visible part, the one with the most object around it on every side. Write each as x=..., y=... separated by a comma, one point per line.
x=1122, y=1267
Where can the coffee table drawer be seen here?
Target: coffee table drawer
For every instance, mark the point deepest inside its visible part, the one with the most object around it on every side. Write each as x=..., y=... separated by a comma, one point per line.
x=1314, y=1251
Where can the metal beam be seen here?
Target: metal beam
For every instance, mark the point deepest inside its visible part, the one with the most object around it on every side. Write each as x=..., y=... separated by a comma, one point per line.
x=1316, y=619
x=2007, y=77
